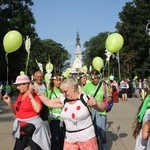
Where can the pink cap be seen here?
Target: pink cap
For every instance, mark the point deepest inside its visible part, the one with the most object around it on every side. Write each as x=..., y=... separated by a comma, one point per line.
x=22, y=79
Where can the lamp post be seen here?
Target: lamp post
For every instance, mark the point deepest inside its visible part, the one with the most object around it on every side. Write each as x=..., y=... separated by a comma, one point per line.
x=147, y=30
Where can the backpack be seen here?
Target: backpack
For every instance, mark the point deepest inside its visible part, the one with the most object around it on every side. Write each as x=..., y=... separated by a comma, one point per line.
x=44, y=113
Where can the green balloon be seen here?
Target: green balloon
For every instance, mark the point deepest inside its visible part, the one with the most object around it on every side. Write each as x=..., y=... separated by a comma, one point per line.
x=12, y=41
x=66, y=74
x=49, y=67
x=97, y=63
x=47, y=77
x=114, y=42
x=84, y=69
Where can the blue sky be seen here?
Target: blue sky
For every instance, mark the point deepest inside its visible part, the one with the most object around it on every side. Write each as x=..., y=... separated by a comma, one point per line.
x=60, y=20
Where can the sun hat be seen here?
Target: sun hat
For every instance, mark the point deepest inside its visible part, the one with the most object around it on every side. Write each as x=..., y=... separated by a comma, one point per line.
x=111, y=77
x=22, y=79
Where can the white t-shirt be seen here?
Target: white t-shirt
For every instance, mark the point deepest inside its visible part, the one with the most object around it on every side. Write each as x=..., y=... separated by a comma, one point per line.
x=76, y=116
x=140, y=143
x=42, y=87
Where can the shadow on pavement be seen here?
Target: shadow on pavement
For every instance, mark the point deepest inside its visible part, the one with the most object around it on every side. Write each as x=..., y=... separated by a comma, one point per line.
x=112, y=137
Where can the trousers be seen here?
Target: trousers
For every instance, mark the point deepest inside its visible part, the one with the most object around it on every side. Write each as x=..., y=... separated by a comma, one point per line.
x=24, y=141
x=101, y=121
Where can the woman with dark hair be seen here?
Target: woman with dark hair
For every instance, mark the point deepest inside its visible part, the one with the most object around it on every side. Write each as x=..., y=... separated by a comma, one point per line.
x=142, y=128
x=82, y=78
x=54, y=118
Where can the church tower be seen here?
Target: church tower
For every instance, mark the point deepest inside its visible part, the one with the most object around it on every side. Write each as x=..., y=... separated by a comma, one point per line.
x=77, y=63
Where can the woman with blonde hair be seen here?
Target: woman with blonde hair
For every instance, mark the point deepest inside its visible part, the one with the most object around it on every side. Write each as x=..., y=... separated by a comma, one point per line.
x=80, y=133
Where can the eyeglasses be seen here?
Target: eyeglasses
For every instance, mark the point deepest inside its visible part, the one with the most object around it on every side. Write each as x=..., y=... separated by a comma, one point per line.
x=65, y=91
x=18, y=105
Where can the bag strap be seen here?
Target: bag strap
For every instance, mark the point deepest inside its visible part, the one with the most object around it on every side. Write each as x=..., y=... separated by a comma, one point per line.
x=53, y=93
x=99, y=85
x=81, y=98
x=69, y=100
x=105, y=91
x=93, y=119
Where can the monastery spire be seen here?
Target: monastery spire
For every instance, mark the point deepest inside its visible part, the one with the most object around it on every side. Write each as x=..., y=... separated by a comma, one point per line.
x=78, y=39
x=77, y=63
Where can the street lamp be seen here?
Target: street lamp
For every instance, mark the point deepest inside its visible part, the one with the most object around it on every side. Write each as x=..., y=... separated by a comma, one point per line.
x=148, y=28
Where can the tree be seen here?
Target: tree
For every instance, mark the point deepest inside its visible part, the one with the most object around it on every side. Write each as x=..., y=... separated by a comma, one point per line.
x=15, y=15
x=95, y=47
x=49, y=50
x=134, y=56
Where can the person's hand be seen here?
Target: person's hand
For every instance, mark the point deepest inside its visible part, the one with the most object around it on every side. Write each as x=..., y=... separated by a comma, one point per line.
x=6, y=98
x=33, y=89
x=91, y=102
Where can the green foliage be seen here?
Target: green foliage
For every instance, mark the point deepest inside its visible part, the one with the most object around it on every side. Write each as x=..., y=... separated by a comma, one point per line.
x=15, y=15
x=95, y=47
x=135, y=54
x=46, y=50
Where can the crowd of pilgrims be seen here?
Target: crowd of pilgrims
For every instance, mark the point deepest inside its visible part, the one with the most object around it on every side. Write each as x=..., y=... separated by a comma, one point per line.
x=54, y=117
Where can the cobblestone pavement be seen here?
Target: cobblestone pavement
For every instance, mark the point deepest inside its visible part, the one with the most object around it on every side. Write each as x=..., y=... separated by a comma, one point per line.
x=119, y=127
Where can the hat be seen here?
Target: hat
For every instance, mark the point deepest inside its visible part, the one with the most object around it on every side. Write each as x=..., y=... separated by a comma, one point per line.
x=22, y=79
x=111, y=77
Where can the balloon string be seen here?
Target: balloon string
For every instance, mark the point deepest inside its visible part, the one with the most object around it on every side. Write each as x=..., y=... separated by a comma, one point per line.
x=6, y=58
x=104, y=68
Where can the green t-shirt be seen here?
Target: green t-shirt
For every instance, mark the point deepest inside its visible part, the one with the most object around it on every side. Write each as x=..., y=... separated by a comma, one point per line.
x=54, y=113
x=90, y=89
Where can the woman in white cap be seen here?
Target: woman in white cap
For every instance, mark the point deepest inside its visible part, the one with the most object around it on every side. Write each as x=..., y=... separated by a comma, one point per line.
x=28, y=127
